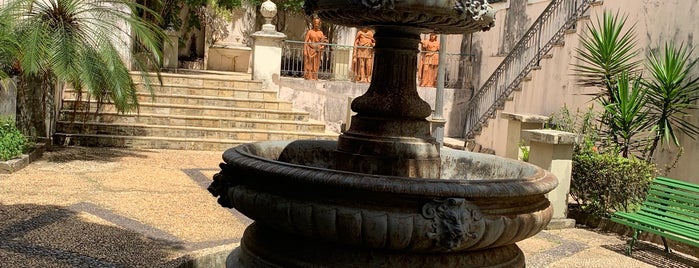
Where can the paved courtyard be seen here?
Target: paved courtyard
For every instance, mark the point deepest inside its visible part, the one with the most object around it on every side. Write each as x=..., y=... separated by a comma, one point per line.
x=106, y=207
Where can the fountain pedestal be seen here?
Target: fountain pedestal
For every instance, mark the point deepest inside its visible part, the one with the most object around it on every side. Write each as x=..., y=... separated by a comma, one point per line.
x=384, y=194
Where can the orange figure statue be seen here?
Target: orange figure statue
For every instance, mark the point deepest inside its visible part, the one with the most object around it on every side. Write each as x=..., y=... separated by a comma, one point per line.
x=363, y=56
x=312, y=51
x=429, y=61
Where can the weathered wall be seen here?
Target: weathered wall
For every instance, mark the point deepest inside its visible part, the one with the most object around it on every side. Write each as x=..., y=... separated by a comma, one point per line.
x=327, y=100
x=552, y=87
x=8, y=101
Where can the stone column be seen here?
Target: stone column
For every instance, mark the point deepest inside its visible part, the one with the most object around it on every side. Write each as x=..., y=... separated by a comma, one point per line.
x=553, y=150
x=170, y=50
x=516, y=123
x=267, y=48
x=389, y=135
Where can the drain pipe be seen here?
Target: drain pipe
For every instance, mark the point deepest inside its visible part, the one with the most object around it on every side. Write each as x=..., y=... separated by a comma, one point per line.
x=438, y=121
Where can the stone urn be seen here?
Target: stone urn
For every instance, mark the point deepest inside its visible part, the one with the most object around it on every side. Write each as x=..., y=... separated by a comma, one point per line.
x=384, y=194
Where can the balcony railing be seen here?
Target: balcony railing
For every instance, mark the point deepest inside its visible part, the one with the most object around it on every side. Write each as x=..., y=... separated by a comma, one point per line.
x=336, y=64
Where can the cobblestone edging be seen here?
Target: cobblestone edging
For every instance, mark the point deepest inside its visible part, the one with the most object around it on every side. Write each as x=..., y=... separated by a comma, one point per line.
x=14, y=165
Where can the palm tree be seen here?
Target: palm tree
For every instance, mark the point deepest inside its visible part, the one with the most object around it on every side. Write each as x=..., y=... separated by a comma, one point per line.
x=80, y=43
x=671, y=93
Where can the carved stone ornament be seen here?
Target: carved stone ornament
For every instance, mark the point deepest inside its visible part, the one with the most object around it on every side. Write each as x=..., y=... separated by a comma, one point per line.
x=268, y=10
x=454, y=221
x=219, y=187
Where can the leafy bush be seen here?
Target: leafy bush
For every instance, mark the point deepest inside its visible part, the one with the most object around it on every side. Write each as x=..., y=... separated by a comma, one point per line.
x=606, y=182
x=12, y=142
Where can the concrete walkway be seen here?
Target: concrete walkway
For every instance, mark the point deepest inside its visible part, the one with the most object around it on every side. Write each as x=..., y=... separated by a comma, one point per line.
x=105, y=207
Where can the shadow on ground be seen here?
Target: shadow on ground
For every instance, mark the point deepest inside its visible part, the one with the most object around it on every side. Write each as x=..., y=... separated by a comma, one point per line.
x=51, y=236
x=654, y=255
x=60, y=154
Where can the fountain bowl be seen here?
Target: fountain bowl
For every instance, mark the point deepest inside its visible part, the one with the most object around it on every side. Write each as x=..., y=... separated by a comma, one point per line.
x=479, y=207
x=440, y=16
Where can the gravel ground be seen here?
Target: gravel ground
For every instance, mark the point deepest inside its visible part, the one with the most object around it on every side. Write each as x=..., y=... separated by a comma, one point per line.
x=106, y=207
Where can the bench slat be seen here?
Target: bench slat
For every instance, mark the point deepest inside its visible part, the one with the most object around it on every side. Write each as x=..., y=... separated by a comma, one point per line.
x=681, y=226
x=693, y=223
x=670, y=206
x=660, y=225
x=645, y=228
x=689, y=197
x=677, y=183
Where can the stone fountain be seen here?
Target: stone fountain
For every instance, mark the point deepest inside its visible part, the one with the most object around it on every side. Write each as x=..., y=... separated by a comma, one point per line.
x=384, y=194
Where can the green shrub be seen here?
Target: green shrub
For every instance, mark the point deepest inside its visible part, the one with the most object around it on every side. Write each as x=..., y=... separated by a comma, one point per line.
x=606, y=182
x=12, y=142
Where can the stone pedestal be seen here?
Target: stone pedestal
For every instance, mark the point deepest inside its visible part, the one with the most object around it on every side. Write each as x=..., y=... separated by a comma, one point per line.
x=515, y=125
x=553, y=150
x=267, y=48
x=170, y=50
x=267, y=56
x=390, y=135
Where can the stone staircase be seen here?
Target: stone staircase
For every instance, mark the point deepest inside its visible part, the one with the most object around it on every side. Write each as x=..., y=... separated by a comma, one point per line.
x=188, y=112
x=547, y=36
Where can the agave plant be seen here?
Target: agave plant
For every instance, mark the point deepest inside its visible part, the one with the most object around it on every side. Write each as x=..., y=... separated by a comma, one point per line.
x=671, y=94
x=608, y=48
x=83, y=43
x=627, y=115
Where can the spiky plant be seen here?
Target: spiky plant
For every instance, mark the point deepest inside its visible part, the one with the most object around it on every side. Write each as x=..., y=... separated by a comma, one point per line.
x=82, y=43
x=608, y=48
x=671, y=93
x=627, y=116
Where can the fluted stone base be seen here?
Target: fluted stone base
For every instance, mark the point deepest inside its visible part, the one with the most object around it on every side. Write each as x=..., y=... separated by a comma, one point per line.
x=264, y=247
x=395, y=153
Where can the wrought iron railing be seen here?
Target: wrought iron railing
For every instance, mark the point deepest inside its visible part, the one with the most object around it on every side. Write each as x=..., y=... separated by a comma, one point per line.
x=559, y=16
x=336, y=63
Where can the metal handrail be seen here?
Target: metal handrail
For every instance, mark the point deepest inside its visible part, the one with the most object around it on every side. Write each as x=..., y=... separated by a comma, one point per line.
x=549, y=27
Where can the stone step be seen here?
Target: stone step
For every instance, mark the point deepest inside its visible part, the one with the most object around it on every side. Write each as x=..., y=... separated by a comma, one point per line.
x=193, y=121
x=174, y=89
x=196, y=110
x=233, y=80
x=141, y=142
x=243, y=134
x=271, y=104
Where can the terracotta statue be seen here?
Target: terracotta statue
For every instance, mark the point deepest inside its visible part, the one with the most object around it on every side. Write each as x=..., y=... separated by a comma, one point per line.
x=312, y=51
x=363, y=56
x=429, y=61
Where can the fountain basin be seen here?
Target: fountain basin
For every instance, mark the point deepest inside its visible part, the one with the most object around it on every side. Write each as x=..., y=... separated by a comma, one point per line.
x=292, y=187
x=442, y=16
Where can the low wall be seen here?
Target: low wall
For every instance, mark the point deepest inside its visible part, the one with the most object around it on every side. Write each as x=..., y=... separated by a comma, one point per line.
x=328, y=100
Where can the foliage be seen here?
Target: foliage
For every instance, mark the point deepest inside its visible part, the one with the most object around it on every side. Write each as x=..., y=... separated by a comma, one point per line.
x=79, y=42
x=583, y=123
x=625, y=115
x=608, y=48
x=12, y=142
x=606, y=182
x=525, y=151
x=671, y=93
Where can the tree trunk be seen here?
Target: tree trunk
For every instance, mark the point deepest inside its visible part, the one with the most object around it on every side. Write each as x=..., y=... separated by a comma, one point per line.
x=36, y=106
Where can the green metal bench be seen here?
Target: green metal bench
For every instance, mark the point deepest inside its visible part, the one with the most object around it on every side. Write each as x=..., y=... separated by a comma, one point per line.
x=671, y=210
